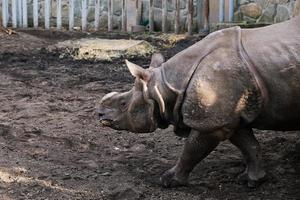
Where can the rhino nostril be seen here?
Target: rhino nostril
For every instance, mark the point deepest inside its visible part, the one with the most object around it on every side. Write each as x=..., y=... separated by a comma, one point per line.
x=100, y=115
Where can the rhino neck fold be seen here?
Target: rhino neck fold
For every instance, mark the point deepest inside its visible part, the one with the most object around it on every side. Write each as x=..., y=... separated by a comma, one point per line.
x=163, y=96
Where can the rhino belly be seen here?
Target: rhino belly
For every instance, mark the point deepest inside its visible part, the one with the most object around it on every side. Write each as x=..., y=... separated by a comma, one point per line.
x=282, y=109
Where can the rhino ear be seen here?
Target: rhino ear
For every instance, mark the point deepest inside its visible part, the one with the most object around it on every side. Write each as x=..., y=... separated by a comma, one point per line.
x=138, y=71
x=156, y=60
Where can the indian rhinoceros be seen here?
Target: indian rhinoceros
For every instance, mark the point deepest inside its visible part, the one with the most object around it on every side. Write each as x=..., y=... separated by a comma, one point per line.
x=220, y=88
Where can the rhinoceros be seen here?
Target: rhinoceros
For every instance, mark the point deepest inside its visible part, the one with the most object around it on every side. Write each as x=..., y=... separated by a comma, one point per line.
x=218, y=89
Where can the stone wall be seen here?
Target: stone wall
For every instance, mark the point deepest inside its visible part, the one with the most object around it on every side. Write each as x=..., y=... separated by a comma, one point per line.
x=265, y=11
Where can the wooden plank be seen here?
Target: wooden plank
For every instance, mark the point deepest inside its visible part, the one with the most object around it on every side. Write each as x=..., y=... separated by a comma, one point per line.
x=124, y=16
x=177, y=16
x=4, y=13
x=206, y=15
x=231, y=10
x=221, y=10
x=137, y=14
x=151, y=16
x=58, y=14
x=71, y=14
x=97, y=14
x=164, y=15
x=19, y=8
x=25, y=17
x=84, y=15
x=14, y=13
x=47, y=14
x=35, y=13
x=110, y=17
x=190, y=16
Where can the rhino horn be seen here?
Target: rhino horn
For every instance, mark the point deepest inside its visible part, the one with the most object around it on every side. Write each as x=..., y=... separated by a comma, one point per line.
x=156, y=60
x=138, y=71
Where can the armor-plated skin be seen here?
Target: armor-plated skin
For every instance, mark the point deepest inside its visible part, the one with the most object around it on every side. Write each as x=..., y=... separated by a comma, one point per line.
x=218, y=89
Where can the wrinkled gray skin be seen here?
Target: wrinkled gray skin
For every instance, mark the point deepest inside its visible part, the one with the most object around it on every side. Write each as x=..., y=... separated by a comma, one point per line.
x=218, y=89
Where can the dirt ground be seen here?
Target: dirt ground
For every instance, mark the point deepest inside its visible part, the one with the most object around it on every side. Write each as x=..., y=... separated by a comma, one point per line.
x=52, y=147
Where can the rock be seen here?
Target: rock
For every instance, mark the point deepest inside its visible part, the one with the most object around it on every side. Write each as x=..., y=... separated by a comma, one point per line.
x=249, y=19
x=252, y=10
x=268, y=14
x=283, y=14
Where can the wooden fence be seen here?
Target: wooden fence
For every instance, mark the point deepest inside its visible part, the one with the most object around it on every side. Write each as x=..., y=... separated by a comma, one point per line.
x=19, y=14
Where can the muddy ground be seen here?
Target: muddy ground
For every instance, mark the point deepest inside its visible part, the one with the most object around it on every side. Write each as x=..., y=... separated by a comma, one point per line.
x=52, y=147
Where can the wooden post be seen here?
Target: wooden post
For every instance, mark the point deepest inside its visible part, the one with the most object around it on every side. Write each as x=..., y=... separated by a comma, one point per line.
x=231, y=10
x=164, y=15
x=110, y=17
x=58, y=14
x=221, y=10
x=71, y=15
x=190, y=16
x=35, y=14
x=14, y=13
x=206, y=15
x=177, y=16
x=4, y=13
x=151, y=16
x=84, y=15
x=124, y=16
x=25, y=17
x=199, y=15
x=137, y=16
x=97, y=14
x=20, y=18
x=47, y=14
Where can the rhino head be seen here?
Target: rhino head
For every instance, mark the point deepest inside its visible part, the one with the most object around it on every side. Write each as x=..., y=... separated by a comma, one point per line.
x=134, y=110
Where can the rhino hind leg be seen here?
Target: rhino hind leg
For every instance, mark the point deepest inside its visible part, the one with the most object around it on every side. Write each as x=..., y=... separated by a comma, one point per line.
x=196, y=148
x=246, y=142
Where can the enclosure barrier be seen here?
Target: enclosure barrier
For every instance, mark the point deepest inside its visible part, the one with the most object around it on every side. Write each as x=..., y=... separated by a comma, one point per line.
x=19, y=14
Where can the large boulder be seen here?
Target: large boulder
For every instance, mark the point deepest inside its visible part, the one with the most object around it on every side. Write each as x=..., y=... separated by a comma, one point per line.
x=268, y=14
x=252, y=10
x=283, y=14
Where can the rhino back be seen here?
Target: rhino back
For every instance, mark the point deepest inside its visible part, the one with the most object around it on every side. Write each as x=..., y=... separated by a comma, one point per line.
x=222, y=90
x=275, y=53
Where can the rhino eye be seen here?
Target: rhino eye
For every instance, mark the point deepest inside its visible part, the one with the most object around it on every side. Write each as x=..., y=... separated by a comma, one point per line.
x=123, y=103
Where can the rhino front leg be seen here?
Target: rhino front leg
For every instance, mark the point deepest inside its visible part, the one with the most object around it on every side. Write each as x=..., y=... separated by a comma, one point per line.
x=245, y=140
x=196, y=148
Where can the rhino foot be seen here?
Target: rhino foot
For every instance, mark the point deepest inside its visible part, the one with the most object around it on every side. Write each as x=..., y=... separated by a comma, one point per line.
x=171, y=179
x=251, y=183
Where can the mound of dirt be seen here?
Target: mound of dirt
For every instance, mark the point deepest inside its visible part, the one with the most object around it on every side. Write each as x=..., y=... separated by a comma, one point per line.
x=102, y=49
